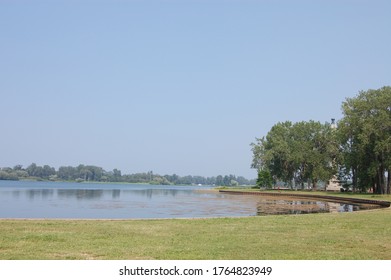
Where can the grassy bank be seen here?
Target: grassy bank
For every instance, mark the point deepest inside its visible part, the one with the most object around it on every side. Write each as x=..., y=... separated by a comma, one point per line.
x=358, y=235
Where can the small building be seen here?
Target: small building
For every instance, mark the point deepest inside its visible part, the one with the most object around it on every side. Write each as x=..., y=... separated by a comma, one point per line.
x=333, y=185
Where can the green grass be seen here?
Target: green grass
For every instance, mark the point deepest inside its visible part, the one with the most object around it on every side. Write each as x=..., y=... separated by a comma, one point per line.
x=358, y=235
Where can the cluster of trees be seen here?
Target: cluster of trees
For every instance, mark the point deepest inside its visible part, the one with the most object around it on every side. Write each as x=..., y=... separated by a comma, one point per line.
x=83, y=173
x=358, y=150
x=296, y=153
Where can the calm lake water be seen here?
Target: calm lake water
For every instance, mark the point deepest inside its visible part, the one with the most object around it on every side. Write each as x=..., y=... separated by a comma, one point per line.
x=60, y=200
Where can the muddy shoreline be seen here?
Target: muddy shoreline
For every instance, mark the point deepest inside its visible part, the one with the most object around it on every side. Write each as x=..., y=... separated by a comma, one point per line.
x=312, y=196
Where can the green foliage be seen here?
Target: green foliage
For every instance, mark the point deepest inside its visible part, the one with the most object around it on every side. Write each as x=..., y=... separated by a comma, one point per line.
x=265, y=179
x=4, y=175
x=364, y=134
x=297, y=152
x=43, y=172
x=359, y=150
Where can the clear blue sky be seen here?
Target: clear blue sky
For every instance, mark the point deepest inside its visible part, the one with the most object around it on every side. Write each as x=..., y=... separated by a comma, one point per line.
x=177, y=86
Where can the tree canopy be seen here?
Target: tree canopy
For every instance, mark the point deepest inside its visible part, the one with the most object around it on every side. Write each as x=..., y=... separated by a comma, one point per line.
x=359, y=149
x=296, y=153
x=365, y=137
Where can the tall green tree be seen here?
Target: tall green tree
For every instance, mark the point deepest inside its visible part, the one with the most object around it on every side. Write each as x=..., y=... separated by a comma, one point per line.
x=365, y=138
x=274, y=153
x=314, y=148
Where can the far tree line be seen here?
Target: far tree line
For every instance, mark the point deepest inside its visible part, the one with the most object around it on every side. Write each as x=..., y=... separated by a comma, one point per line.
x=356, y=149
x=91, y=173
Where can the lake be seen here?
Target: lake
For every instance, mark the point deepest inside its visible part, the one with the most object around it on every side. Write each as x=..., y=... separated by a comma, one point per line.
x=63, y=200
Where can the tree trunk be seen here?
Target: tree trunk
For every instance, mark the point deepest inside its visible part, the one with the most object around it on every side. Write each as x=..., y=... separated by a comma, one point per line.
x=382, y=179
x=382, y=175
x=388, y=181
x=380, y=187
x=314, y=186
x=354, y=174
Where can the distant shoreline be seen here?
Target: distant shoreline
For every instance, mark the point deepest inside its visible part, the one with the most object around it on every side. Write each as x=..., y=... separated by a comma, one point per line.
x=92, y=173
x=101, y=182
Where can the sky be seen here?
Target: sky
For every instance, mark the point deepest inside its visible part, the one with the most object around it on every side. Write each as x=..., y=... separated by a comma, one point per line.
x=178, y=87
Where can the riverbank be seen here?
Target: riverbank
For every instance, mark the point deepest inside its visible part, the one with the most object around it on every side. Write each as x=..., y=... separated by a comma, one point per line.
x=316, y=195
x=364, y=235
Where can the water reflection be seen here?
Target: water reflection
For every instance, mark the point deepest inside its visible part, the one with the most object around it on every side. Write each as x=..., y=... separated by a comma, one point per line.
x=150, y=193
x=43, y=194
x=278, y=206
x=80, y=194
x=116, y=194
